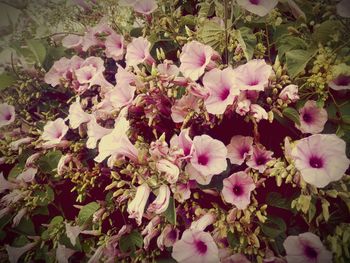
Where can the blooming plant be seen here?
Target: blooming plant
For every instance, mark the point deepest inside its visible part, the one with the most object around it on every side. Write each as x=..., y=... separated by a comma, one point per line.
x=175, y=131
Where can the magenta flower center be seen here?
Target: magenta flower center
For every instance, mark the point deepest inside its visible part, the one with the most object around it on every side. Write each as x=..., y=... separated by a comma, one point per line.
x=224, y=94
x=243, y=151
x=254, y=2
x=260, y=160
x=307, y=117
x=7, y=116
x=342, y=80
x=201, y=247
x=253, y=82
x=310, y=252
x=237, y=190
x=316, y=162
x=58, y=134
x=203, y=159
x=202, y=60
x=172, y=235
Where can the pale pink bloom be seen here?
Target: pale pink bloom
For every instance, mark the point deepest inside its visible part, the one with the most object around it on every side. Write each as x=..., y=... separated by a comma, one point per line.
x=77, y=115
x=290, y=92
x=203, y=222
x=95, y=132
x=254, y=75
x=184, y=106
x=138, y=52
x=236, y=258
x=259, y=159
x=5, y=184
x=195, y=58
x=27, y=175
x=147, y=239
x=158, y=149
x=121, y=95
x=5, y=211
x=183, y=142
x=31, y=159
x=57, y=72
x=16, y=144
x=72, y=41
x=62, y=163
x=209, y=156
x=14, y=253
x=91, y=72
x=91, y=37
x=287, y=149
x=258, y=112
x=167, y=68
x=72, y=233
x=312, y=118
x=197, y=175
x=258, y=7
x=168, y=237
x=198, y=91
x=195, y=246
x=161, y=203
x=145, y=7
x=54, y=131
x=239, y=148
x=170, y=170
x=222, y=89
x=342, y=82
x=63, y=253
x=136, y=207
x=7, y=114
x=343, y=8
x=237, y=189
x=116, y=144
x=295, y=9
x=124, y=76
x=182, y=191
x=150, y=231
x=243, y=107
x=306, y=247
x=114, y=46
x=18, y=217
x=12, y=197
x=321, y=159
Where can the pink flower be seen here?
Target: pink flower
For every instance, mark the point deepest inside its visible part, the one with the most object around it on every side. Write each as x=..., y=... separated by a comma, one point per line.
x=61, y=166
x=239, y=148
x=54, y=131
x=5, y=184
x=57, y=72
x=259, y=158
x=209, y=156
x=72, y=41
x=91, y=72
x=197, y=175
x=92, y=36
x=167, y=68
x=121, y=95
x=222, y=89
x=258, y=112
x=138, y=52
x=343, y=8
x=254, y=75
x=194, y=58
x=182, y=191
x=27, y=175
x=243, y=107
x=116, y=144
x=170, y=170
x=203, y=222
x=236, y=258
x=161, y=203
x=184, y=142
x=77, y=115
x=258, y=7
x=7, y=114
x=145, y=7
x=168, y=237
x=16, y=144
x=136, y=207
x=195, y=246
x=184, y=106
x=342, y=82
x=95, y=132
x=312, y=118
x=159, y=149
x=18, y=217
x=237, y=189
x=14, y=253
x=321, y=159
x=72, y=233
x=306, y=247
x=63, y=253
x=290, y=92
x=114, y=46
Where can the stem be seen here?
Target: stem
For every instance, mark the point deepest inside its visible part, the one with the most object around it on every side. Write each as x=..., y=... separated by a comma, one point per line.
x=226, y=35
x=268, y=43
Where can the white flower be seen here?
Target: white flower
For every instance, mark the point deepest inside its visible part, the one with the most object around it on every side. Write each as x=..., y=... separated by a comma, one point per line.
x=54, y=131
x=77, y=115
x=136, y=207
x=7, y=114
x=160, y=204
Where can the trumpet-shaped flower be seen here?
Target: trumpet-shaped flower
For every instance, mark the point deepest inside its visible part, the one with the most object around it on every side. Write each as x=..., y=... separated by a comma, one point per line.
x=145, y=7
x=290, y=92
x=54, y=131
x=77, y=115
x=161, y=203
x=195, y=246
x=168, y=237
x=194, y=58
x=170, y=170
x=258, y=112
x=259, y=158
x=306, y=247
x=222, y=89
x=121, y=95
x=209, y=156
x=184, y=142
x=239, y=148
x=15, y=253
x=182, y=107
x=138, y=52
x=321, y=159
x=137, y=206
x=7, y=114
x=312, y=118
x=114, y=46
x=95, y=132
x=254, y=75
x=343, y=8
x=237, y=189
x=258, y=7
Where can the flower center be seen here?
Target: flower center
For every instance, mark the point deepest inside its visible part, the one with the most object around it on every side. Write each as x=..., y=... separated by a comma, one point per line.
x=307, y=117
x=58, y=134
x=201, y=247
x=237, y=190
x=260, y=160
x=203, y=159
x=224, y=94
x=253, y=82
x=342, y=80
x=243, y=151
x=7, y=116
x=202, y=60
x=310, y=252
x=254, y=2
x=172, y=235
x=316, y=162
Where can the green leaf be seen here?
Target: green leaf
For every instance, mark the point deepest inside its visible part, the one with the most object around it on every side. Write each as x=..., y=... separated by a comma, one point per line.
x=275, y=199
x=26, y=227
x=38, y=50
x=273, y=227
x=16, y=170
x=311, y=211
x=86, y=212
x=292, y=114
x=45, y=196
x=6, y=80
x=212, y=34
x=48, y=163
x=288, y=43
x=325, y=31
x=296, y=60
x=170, y=212
x=247, y=40
x=232, y=239
x=129, y=242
